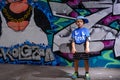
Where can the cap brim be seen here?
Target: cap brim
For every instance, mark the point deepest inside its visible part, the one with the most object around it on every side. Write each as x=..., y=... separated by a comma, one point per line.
x=85, y=20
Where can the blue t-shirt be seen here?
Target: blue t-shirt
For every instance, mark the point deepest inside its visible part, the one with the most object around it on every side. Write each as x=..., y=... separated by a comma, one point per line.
x=80, y=35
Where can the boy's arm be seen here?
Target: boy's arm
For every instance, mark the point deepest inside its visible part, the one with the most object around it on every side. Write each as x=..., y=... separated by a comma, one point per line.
x=73, y=47
x=87, y=49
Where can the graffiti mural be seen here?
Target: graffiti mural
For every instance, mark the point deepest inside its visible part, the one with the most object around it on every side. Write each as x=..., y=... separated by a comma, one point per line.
x=104, y=26
x=33, y=33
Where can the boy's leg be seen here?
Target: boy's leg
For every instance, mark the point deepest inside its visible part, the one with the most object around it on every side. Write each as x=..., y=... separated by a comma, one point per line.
x=87, y=76
x=86, y=62
x=75, y=74
x=76, y=64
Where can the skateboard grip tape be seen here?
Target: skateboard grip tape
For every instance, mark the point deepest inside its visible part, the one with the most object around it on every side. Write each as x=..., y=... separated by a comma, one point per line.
x=80, y=56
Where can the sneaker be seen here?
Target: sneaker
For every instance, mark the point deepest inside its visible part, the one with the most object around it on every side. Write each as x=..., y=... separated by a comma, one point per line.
x=87, y=76
x=75, y=75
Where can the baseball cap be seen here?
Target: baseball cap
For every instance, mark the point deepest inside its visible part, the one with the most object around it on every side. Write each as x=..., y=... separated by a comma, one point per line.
x=83, y=18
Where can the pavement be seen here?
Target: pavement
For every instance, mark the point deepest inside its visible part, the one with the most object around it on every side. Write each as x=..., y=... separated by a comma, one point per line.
x=39, y=72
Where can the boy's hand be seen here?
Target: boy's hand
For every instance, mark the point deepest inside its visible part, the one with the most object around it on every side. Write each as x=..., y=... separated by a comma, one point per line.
x=73, y=51
x=87, y=50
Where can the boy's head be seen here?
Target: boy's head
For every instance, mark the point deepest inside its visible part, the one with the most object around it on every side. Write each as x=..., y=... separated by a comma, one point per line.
x=85, y=20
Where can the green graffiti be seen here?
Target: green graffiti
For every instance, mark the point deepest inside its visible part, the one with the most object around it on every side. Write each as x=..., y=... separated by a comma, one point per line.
x=94, y=61
x=115, y=25
x=69, y=63
x=107, y=56
x=59, y=22
x=43, y=0
x=83, y=12
x=57, y=0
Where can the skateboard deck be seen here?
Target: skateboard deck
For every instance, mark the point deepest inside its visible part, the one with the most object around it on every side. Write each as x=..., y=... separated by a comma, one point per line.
x=94, y=47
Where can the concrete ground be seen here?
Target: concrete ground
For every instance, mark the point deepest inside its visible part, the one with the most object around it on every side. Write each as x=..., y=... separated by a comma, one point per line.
x=36, y=72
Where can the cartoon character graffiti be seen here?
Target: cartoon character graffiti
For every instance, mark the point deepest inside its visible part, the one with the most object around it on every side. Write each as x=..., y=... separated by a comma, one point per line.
x=21, y=22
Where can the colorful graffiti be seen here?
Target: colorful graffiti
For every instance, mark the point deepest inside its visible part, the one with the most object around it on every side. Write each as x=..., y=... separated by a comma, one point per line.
x=45, y=35
x=26, y=52
x=101, y=16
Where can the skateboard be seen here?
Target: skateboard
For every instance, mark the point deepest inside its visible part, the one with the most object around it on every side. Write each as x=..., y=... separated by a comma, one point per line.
x=80, y=54
x=94, y=47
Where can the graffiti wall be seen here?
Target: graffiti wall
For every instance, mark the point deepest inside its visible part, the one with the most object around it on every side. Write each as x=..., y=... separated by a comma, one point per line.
x=33, y=31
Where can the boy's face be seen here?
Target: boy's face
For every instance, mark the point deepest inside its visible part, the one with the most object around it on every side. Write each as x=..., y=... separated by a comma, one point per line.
x=79, y=23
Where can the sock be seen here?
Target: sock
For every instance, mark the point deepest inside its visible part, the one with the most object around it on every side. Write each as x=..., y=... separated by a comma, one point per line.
x=76, y=72
x=87, y=72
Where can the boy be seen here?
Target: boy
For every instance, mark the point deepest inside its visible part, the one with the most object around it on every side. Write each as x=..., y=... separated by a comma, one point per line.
x=80, y=36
